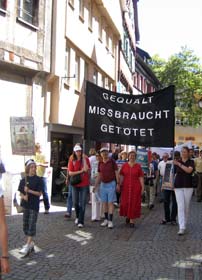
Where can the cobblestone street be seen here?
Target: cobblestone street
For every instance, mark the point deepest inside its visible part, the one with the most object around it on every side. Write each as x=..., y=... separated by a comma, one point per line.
x=150, y=251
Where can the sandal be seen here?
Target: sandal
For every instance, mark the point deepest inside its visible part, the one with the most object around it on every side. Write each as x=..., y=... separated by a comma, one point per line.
x=67, y=215
x=163, y=222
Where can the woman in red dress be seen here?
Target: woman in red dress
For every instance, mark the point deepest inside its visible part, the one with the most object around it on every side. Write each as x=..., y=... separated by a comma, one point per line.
x=132, y=189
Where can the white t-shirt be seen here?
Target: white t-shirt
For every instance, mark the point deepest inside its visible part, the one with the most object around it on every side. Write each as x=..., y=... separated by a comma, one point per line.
x=161, y=167
x=92, y=159
x=94, y=167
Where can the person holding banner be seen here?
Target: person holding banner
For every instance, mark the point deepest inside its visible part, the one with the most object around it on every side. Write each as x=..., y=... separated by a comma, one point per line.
x=30, y=189
x=42, y=164
x=183, y=187
x=170, y=211
x=4, y=259
x=133, y=188
x=108, y=178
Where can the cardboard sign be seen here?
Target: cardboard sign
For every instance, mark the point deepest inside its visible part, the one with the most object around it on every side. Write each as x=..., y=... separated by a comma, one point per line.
x=22, y=135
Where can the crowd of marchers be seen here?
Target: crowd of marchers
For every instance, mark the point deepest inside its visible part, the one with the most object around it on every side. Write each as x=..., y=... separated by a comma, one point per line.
x=108, y=180
x=117, y=180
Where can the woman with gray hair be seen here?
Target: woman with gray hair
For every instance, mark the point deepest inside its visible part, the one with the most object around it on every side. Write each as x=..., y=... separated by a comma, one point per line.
x=132, y=189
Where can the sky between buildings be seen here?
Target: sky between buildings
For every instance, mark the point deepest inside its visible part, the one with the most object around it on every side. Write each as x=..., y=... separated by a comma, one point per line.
x=166, y=25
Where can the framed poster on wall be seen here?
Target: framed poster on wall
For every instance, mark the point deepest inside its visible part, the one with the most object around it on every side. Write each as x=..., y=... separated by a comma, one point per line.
x=22, y=135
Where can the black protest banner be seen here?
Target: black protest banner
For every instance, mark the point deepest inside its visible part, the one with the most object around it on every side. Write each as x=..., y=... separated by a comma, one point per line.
x=143, y=120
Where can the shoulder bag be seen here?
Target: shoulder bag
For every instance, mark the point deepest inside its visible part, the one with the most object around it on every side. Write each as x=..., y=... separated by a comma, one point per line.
x=17, y=205
x=75, y=179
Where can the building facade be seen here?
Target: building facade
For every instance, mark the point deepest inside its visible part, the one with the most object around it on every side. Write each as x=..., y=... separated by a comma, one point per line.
x=85, y=43
x=145, y=80
x=48, y=50
x=127, y=46
x=25, y=48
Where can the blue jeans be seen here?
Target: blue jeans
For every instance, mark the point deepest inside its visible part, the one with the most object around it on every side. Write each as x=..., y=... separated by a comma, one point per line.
x=45, y=194
x=69, y=200
x=170, y=215
x=80, y=195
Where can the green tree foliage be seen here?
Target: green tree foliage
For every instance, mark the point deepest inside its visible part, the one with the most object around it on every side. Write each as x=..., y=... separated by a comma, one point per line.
x=184, y=71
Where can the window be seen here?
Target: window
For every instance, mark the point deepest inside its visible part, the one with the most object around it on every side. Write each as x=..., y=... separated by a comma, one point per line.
x=114, y=45
x=131, y=60
x=126, y=49
x=142, y=84
x=103, y=82
x=81, y=8
x=28, y=11
x=149, y=88
x=135, y=79
x=126, y=46
x=86, y=74
x=3, y=4
x=146, y=87
x=90, y=15
x=67, y=64
x=124, y=41
x=139, y=82
x=133, y=63
x=107, y=38
x=111, y=86
x=100, y=28
x=95, y=77
x=77, y=73
x=86, y=71
x=110, y=44
x=106, y=83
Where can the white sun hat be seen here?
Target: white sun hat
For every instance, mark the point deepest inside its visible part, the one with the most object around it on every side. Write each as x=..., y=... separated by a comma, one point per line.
x=77, y=148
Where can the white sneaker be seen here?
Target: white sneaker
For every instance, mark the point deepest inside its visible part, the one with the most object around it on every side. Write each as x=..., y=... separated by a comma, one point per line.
x=32, y=245
x=76, y=221
x=80, y=225
x=23, y=250
x=110, y=224
x=27, y=248
x=105, y=223
x=181, y=232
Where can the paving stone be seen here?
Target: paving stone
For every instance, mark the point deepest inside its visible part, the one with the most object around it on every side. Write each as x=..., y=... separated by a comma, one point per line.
x=149, y=251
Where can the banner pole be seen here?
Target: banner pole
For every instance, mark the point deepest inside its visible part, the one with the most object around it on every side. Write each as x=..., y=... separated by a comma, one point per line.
x=25, y=173
x=173, y=157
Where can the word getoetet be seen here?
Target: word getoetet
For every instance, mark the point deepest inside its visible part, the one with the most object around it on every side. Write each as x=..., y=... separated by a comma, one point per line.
x=127, y=131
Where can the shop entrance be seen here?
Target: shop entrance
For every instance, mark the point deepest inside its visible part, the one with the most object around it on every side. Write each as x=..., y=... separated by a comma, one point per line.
x=61, y=149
